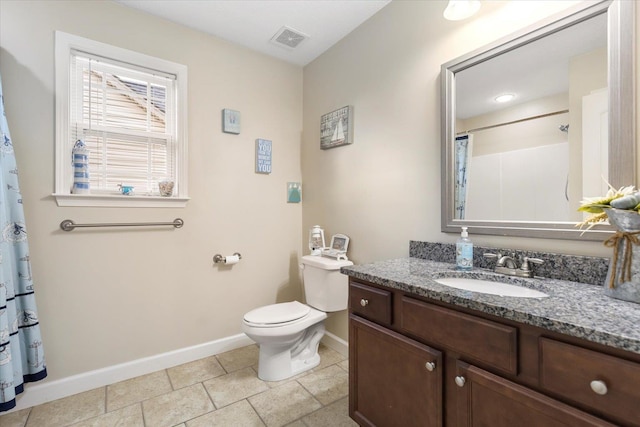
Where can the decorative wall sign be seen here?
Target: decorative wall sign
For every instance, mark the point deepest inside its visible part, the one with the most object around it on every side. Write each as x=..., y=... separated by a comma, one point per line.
x=231, y=121
x=336, y=128
x=294, y=192
x=263, y=156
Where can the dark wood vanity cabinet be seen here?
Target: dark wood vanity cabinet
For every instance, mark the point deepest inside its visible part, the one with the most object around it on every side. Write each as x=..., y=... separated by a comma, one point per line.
x=389, y=367
x=485, y=399
x=416, y=362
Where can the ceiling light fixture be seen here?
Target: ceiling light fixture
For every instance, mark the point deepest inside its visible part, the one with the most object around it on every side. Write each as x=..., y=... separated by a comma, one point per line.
x=461, y=9
x=504, y=98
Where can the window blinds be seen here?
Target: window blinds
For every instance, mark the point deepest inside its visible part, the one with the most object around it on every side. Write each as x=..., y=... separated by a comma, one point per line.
x=126, y=115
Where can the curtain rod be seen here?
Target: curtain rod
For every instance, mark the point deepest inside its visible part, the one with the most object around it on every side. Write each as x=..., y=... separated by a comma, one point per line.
x=513, y=122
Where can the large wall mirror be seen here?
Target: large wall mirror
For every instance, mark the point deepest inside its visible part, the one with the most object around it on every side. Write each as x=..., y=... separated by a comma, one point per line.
x=539, y=120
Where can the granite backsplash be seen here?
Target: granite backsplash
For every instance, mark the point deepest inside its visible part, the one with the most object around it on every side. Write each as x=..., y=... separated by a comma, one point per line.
x=574, y=268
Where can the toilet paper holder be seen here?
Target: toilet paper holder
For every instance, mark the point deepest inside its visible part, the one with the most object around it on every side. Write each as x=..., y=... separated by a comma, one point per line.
x=217, y=258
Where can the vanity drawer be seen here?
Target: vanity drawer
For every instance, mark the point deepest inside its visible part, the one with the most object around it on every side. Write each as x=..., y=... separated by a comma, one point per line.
x=485, y=341
x=371, y=303
x=574, y=373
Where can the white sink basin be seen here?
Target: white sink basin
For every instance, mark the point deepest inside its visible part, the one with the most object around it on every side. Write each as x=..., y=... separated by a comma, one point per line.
x=488, y=287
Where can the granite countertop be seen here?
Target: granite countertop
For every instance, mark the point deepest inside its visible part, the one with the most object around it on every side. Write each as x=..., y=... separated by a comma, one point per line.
x=577, y=309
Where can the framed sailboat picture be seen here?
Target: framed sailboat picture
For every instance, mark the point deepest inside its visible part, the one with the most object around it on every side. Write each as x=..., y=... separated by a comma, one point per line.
x=336, y=128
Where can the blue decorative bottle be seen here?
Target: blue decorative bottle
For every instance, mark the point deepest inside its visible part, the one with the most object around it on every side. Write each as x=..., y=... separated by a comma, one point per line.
x=80, y=168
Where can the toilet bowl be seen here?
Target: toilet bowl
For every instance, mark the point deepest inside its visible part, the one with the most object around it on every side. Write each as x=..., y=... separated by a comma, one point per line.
x=289, y=333
x=289, y=345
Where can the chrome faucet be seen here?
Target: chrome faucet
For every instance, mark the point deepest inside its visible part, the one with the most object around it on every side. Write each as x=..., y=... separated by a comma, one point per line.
x=507, y=265
x=506, y=262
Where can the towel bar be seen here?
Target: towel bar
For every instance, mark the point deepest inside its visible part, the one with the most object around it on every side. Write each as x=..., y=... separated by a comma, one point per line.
x=68, y=225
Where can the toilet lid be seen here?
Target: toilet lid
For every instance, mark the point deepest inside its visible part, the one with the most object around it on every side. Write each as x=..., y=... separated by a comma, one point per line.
x=277, y=313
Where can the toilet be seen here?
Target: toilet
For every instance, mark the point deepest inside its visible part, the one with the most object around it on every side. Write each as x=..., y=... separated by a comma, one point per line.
x=289, y=333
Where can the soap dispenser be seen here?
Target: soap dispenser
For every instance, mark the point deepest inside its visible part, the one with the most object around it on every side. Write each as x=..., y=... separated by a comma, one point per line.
x=464, y=251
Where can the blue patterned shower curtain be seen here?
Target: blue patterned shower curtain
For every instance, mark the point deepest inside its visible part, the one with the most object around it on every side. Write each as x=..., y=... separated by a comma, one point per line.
x=463, y=148
x=21, y=354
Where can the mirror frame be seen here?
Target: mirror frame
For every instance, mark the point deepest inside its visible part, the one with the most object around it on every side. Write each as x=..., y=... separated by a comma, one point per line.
x=622, y=147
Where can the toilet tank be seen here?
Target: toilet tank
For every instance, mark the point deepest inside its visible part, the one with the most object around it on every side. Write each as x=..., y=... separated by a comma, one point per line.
x=325, y=288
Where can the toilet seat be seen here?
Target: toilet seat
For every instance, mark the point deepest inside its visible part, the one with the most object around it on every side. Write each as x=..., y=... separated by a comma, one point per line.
x=275, y=315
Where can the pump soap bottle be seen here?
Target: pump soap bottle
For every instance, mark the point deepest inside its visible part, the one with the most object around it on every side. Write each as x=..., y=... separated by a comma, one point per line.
x=464, y=251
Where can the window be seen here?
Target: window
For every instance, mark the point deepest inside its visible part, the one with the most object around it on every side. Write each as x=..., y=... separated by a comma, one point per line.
x=130, y=111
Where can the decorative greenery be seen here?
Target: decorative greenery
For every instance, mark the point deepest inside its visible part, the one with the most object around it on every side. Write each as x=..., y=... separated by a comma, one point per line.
x=627, y=198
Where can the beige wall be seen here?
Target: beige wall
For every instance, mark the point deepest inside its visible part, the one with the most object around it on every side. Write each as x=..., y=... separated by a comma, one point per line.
x=111, y=296
x=384, y=189
x=587, y=73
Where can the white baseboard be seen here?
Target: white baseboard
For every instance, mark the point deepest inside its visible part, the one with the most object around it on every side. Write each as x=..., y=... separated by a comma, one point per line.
x=38, y=393
x=336, y=343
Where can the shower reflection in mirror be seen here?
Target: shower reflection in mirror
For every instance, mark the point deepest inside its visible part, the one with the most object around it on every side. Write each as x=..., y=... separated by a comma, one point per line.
x=516, y=170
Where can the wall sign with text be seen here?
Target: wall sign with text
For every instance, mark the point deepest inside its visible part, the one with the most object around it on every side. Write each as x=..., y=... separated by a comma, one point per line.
x=263, y=156
x=230, y=121
x=336, y=128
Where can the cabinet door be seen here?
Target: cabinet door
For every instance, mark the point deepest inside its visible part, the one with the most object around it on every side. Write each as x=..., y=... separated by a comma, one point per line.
x=485, y=399
x=393, y=380
x=605, y=384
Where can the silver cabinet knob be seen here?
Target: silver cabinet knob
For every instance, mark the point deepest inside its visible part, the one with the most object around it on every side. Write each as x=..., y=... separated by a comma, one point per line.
x=460, y=381
x=364, y=302
x=599, y=387
x=431, y=366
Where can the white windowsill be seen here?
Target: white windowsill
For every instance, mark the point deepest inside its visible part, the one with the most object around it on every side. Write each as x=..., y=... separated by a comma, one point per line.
x=118, y=201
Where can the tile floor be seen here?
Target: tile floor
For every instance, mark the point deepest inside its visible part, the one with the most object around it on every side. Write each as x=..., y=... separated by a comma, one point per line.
x=221, y=390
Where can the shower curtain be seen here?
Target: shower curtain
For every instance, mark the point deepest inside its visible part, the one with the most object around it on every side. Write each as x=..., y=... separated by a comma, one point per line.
x=463, y=148
x=21, y=354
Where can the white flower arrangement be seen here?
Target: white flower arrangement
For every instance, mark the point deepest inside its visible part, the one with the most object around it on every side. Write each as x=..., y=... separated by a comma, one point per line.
x=625, y=198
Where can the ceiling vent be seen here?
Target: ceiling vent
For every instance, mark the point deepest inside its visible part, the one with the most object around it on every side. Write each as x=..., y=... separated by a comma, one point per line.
x=288, y=38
